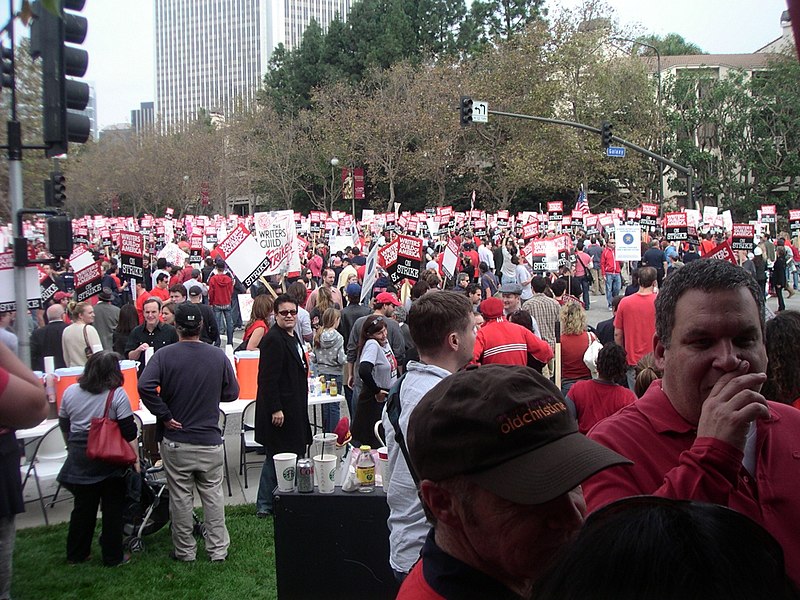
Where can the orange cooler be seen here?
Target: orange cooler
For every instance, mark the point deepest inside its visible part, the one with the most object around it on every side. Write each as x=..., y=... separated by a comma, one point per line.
x=130, y=376
x=247, y=373
x=63, y=379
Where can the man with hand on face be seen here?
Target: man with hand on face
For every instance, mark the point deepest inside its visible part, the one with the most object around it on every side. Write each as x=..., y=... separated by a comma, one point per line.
x=282, y=397
x=704, y=432
x=152, y=333
x=504, y=494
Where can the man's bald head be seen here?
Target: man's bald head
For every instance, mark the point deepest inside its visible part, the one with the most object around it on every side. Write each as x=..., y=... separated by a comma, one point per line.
x=55, y=313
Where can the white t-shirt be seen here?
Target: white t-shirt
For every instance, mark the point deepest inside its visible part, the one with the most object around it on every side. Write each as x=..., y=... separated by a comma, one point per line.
x=385, y=370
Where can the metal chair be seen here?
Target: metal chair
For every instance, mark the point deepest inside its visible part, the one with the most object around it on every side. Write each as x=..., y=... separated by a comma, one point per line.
x=223, y=421
x=49, y=455
x=248, y=441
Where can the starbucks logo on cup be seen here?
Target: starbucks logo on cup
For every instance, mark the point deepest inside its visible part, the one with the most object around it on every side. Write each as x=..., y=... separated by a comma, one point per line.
x=332, y=474
x=288, y=474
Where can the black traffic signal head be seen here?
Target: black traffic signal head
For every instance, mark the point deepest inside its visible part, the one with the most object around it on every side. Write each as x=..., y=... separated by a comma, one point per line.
x=55, y=190
x=50, y=35
x=607, y=134
x=7, y=75
x=466, y=110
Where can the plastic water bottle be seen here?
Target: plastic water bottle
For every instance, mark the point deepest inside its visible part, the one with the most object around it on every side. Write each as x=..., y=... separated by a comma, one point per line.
x=365, y=471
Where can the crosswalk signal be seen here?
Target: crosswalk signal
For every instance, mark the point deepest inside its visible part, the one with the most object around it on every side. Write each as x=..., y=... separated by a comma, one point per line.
x=466, y=110
x=51, y=36
x=607, y=133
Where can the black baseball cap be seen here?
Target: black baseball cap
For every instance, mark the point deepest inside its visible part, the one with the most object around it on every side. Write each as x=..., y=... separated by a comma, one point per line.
x=508, y=430
x=188, y=315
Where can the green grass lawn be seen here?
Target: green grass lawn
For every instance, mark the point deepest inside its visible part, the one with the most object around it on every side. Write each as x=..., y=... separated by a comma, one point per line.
x=41, y=570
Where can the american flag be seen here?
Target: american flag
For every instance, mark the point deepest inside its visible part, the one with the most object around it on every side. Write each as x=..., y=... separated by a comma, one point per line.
x=581, y=203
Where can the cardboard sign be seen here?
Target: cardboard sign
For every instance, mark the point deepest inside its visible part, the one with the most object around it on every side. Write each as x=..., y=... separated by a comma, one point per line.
x=131, y=247
x=450, y=259
x=722, y=252
x=555, y=211
x=244, y=255
x=275, y=233
x=629, y=242
x=676, y=226
x=8, y=300
x=794, y=222
x=370, y=273
x=743, y=237
x=88, y=282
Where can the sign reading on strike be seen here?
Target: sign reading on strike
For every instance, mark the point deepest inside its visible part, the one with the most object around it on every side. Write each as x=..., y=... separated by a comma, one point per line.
x=244, y=255
x=743, y=237
x=676, y=226
x=88, y=282
x=131, y=255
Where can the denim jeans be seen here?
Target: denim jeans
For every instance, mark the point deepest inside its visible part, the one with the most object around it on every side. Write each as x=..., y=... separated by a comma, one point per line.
x=236, y=312
x=613, y=285
x=586, y=295
x=224, y=321
x=330, y=412
x=266, y=485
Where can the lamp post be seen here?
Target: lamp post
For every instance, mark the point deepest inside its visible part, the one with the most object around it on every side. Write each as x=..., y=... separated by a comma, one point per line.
x=334, y=164
x=185, y=202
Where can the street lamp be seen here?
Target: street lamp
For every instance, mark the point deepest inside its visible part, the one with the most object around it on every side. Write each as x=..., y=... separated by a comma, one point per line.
x=185, y=183
x=334, y=164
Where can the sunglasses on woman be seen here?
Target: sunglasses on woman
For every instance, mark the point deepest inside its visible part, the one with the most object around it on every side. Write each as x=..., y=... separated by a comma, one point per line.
x=286, y=313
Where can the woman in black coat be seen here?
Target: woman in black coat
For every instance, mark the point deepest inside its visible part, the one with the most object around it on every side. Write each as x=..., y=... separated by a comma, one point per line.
x=778, y=278
x=282, y=397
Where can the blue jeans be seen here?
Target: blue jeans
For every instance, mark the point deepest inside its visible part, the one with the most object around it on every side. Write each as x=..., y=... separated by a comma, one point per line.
x=330, y=412
x=585, y=287
x=236, y=312
x=796, y=276
x=266, y=485
x=224, y=321
x=613, y=285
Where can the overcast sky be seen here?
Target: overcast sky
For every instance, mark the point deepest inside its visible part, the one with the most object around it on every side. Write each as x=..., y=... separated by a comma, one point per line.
x=120, y=39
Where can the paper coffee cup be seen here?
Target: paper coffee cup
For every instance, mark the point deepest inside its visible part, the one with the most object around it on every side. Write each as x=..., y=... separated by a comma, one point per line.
x=325, y=466
x=285, y=467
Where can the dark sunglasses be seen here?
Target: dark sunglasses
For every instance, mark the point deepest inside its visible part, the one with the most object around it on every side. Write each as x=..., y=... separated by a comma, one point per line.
x=286, y=313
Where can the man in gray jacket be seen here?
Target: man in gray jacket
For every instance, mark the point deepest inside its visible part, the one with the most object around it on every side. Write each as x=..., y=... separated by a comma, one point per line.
x=106, y=317
x=443, y=330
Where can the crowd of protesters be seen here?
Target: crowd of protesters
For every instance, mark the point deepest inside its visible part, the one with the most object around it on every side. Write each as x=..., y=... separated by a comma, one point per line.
x=682, y=362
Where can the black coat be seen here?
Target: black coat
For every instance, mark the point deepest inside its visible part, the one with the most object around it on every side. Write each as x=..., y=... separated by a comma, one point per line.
x=46, y=341
x=282, y=385
x=779, y=272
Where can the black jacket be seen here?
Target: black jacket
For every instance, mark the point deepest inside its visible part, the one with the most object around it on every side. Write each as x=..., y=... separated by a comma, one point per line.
x=46, y=341
x=282, y=385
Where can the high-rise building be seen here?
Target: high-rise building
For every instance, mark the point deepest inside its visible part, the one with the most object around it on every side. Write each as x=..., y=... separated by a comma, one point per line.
x=211, y=55
x=143, y=118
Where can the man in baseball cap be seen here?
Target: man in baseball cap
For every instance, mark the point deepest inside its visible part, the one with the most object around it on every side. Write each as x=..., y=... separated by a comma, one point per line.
x=500, y=462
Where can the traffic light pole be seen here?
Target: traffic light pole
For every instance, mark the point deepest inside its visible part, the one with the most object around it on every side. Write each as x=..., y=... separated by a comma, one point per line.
x=687, y=171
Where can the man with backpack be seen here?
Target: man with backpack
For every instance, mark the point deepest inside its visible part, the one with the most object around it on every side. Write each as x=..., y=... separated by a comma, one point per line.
x=443, y=330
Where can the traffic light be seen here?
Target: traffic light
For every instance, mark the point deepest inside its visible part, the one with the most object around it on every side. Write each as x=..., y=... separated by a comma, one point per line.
x=51, y=34
x=607, y=134
x=55, y=190
x=7, y=60
x=466, y=110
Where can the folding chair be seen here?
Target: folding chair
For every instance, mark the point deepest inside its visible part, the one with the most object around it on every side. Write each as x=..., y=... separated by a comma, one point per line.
x=248, y=440
x=49, y=455
x=223, y=421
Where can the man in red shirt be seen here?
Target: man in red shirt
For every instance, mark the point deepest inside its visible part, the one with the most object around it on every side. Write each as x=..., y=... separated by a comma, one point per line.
x=501, y=342
x=220, y=293
x=635, y=321
x=704, y=432
x=161, y=289
x=611, y=270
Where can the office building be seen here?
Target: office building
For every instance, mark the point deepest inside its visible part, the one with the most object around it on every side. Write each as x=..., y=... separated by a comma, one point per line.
x=212, y=54
x=143, y=118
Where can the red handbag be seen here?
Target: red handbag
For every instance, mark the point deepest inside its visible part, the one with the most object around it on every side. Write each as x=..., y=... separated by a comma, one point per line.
x=106, y=442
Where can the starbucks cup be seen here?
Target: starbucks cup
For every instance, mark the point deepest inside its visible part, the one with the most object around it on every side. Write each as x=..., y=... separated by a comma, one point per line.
x=325, y=467
x=285, y=464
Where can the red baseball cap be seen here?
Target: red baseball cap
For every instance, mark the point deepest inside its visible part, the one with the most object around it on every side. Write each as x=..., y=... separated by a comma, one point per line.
x=387, y=298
